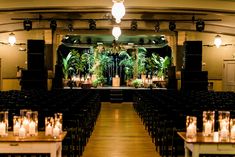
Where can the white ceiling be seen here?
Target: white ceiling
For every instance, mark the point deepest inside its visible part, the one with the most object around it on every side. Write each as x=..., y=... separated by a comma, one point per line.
x=219, y=15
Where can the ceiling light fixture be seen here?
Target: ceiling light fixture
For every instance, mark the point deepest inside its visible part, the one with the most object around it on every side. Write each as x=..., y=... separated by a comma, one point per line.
x=27, y=24
x=200, y=25
x=116, y=32
x=172, y=26
x=12, y=39
x=134, y=25
x=92, y=24
x=53, y=24
x=118, y=10
x=218, y=41
x=157, y=26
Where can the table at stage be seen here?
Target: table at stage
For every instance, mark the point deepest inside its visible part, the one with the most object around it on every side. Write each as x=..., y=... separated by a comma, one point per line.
x=32, y=144
x=207, y=145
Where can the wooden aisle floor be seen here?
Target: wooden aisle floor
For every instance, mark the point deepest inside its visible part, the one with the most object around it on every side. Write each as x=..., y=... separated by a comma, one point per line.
x=119, y=132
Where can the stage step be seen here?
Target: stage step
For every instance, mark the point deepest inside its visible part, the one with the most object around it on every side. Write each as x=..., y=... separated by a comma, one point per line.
x=116, y=96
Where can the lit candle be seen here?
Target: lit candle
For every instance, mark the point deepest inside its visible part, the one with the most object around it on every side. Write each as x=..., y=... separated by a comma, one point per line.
x=2, y=129
x=48, y=130
x=208, y=128
x=59, y=125
x=56, y=131
x=22, y=132
x=32, y=128
x=191, y=130
x=16, y=129
x=224, y=133
x=26, y=124
x=233, y=132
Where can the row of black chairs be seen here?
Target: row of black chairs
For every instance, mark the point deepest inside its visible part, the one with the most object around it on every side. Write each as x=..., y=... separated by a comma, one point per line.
x=80, y=109
x=164, y=112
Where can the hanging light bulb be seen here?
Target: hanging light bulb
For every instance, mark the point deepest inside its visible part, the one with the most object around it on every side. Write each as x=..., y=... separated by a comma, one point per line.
x=118, y=10
x=217, y=41
x=116, y=32
x=12, y=39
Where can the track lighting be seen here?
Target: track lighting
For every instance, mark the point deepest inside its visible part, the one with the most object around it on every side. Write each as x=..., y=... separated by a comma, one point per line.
x=92, y=24
x=172, y=26
x=53, y=25
x=200, y=25
x=157, y=26
x=134, y=25
x=27, y=24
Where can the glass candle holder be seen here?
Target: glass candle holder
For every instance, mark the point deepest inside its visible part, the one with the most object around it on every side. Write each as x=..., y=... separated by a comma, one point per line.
x=208, y=123
x=59, y=121
x=49, y=124
x=33, y=123
x=191, y=126
x=25, y=116
x=232, y=129
x=16, y=125
x=3, y=123
x=223, y=124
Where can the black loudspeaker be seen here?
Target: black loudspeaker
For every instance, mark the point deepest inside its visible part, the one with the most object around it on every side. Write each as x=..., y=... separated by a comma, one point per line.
x=192, y=60
x=36, y=75
x=194, y=80
x=36, y=59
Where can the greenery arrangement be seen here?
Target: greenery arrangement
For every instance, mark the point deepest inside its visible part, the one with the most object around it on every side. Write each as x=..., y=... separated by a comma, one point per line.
x=136, y=83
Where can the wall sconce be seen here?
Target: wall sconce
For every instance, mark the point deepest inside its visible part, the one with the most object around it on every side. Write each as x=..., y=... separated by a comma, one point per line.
x=92, y=24
x=12, y=39
x=53, y=24
x=27, y=24
x=118, y=10
x=172, y=26
x=134, y=25
x=200, y=25
x=218, y=41
x=157, y=26
x=116, y=32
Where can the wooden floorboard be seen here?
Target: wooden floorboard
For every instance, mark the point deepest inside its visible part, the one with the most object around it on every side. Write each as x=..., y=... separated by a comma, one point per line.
x=119, y=132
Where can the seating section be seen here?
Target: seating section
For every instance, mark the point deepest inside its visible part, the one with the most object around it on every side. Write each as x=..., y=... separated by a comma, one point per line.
x=164, y=112
x=80, y=110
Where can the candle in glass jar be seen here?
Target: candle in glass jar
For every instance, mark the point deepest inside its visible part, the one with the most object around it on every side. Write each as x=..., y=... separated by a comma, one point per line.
x=2, y=129
x=16, y=129
x=32, y=128
x=22, y=132
x=56, y=131
x=191, y=130
x=233, y=132
x=59, y=125
x=48, y=130
x=26, y=124
x=224, y=133
x=208, y=127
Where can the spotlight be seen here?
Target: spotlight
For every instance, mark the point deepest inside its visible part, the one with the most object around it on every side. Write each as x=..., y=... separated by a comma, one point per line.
x=141, y=41
x=134, y=25
x=27, y=24
x=70, y=27
x=157, y=26
x=92, y=24
x=53, y=24
x=88, y=40
x=172, y=26
x=200, y=25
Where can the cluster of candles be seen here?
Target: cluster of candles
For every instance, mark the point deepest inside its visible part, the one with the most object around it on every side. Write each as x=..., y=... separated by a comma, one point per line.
x=226, y=126
x=27, y=124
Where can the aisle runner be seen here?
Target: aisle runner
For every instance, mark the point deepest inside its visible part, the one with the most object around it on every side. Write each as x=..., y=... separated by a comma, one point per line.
x=119, y=132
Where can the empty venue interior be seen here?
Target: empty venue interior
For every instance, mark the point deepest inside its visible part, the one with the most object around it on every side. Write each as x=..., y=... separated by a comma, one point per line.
x=117, y=78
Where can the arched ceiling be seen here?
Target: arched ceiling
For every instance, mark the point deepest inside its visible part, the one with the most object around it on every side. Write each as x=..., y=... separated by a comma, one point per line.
x=218, y=15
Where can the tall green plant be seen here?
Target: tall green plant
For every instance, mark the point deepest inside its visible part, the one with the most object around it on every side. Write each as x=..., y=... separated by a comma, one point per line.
x=141, y=60
x=66, y=65
x=128, y=62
